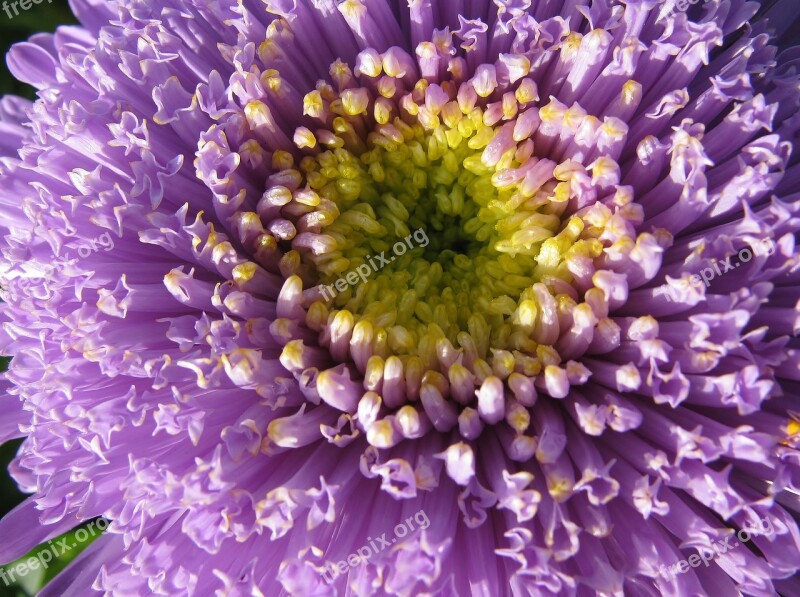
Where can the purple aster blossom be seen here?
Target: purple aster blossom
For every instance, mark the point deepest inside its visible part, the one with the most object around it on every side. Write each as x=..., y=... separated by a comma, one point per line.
x=566, y=426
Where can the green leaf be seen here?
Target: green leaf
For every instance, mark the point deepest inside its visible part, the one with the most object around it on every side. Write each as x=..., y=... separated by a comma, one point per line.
x=29, y=574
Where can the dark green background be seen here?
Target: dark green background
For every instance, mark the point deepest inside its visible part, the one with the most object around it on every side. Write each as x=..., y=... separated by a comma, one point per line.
x=40, y=17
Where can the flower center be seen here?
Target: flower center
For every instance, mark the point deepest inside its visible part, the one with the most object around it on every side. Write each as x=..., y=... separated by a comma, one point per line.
x=453, y=251
x=435, y=231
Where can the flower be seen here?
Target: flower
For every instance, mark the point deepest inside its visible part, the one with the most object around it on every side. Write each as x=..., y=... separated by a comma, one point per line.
x=520, y=379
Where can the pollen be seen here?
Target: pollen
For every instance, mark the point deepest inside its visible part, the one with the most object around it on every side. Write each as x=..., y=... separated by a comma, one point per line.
x=435, y=240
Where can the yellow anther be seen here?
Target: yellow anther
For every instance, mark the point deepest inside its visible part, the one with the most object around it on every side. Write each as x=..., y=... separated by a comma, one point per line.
x=614, y=128
x=387, y=87
x=313, y=105
x=269, y=50
x=282, y=160
x=510, y=106
x=244, y=272
x=526, y=92
x=272, y=80
x=561, y=194
x=355, y=101
x=631, y=93
x=382, y=111
x=552, y=112
x=571, y=44
x=303, y=137
x=352, y=9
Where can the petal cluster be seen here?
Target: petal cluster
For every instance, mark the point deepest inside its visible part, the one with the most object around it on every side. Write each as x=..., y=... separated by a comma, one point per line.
x=282, y=277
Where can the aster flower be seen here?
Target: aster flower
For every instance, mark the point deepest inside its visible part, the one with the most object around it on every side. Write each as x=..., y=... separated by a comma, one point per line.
x=520, y=378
